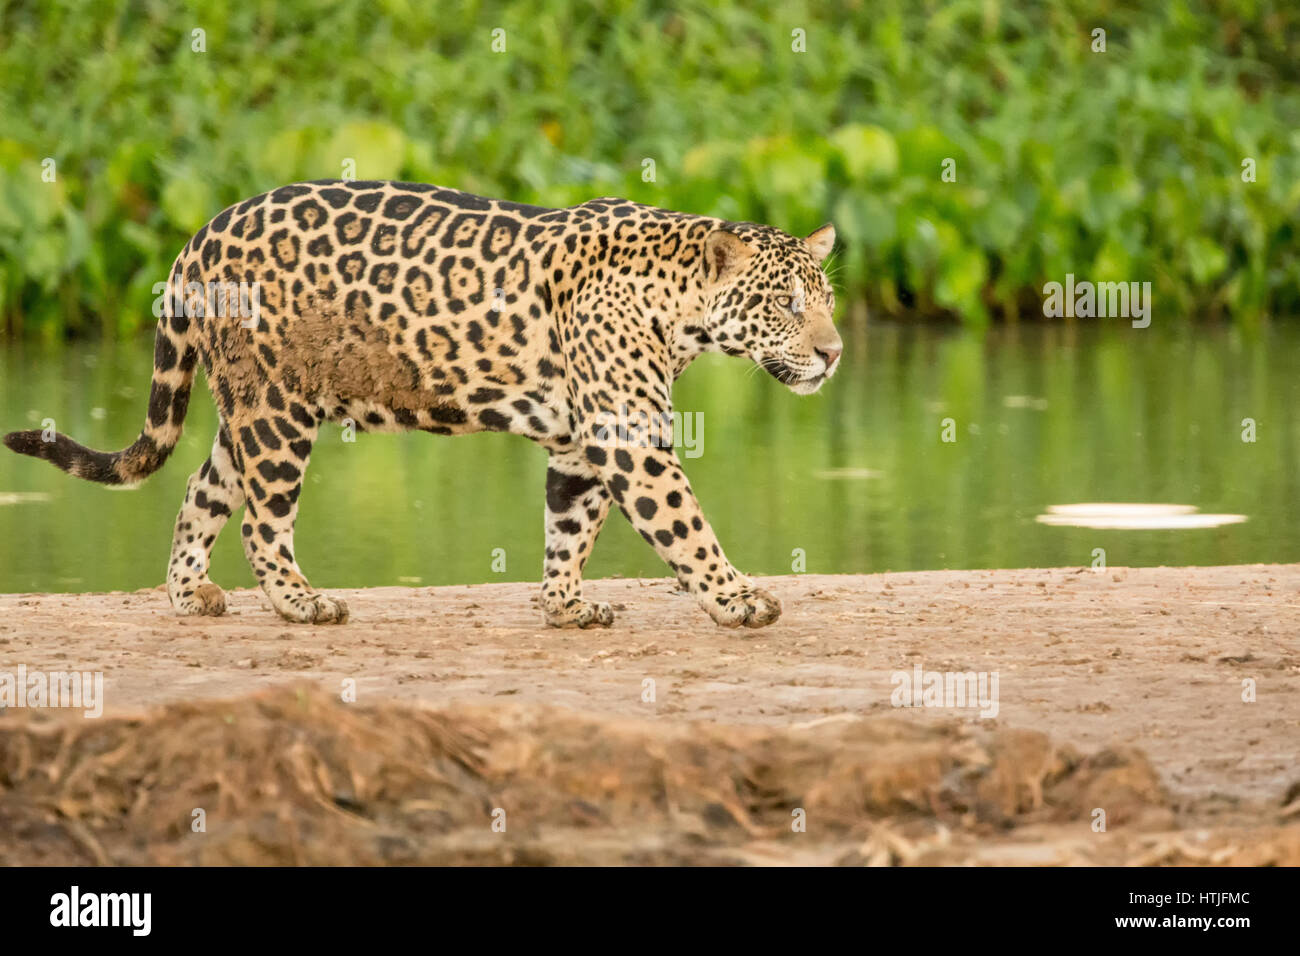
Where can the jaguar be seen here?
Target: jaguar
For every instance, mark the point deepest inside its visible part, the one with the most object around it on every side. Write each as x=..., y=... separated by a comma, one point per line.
x=397, y=306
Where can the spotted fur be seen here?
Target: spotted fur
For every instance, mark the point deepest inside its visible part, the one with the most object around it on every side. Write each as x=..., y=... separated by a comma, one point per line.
x=408, y=306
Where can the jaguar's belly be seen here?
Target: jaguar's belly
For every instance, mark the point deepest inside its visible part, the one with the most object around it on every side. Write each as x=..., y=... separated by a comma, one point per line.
x=518, y=411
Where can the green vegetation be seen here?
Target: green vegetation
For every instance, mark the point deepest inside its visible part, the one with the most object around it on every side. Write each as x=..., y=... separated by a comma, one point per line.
x=1122, y=165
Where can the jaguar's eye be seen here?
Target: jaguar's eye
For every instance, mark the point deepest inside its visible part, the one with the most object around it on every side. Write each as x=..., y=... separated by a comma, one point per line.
x=788, y=302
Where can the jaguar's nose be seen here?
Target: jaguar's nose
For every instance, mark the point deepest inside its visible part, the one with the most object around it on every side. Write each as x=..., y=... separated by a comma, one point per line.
x=830, y=355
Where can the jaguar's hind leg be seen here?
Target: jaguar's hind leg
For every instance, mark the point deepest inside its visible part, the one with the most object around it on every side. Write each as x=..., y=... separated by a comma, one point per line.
x=272, y=454
x=576, y=505
x=213, y=494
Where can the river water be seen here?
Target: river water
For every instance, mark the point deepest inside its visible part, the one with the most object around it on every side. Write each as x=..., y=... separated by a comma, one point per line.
x=857, y=478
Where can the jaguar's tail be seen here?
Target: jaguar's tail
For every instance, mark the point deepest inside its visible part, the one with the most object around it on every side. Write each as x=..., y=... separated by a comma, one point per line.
x=174, y=358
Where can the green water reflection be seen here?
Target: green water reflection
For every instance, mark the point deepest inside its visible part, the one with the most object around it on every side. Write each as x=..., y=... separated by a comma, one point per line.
x=857, y=476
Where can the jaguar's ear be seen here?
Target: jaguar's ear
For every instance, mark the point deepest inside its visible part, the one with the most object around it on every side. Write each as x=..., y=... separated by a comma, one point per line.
x=725, y=253
x=821, y=241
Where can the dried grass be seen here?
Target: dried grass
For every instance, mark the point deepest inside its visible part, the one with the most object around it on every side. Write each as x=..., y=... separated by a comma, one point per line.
x=293, y=776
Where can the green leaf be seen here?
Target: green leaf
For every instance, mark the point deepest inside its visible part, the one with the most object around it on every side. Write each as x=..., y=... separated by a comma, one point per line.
x=865, y=219
x=1205, y=260
x=961, y=278
x=868, y=153
x=187, y=202
x=377, y=149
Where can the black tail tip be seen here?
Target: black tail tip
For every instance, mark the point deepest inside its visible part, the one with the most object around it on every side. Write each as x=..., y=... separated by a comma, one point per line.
x=26, y=443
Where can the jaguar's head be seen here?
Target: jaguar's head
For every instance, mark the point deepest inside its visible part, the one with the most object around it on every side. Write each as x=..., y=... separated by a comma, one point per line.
x=767, y=297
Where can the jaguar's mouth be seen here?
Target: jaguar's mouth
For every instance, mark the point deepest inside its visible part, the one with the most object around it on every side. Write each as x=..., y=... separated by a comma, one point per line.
x=806, y=386
x=799, y=382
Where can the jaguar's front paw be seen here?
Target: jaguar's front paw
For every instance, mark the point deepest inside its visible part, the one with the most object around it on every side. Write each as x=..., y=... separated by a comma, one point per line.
x=311, y=608
x=580, y=613
x=204, y=598
x=752, y=607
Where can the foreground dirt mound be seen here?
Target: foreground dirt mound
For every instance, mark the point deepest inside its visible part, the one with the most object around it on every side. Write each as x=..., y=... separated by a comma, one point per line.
x=292, y=776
